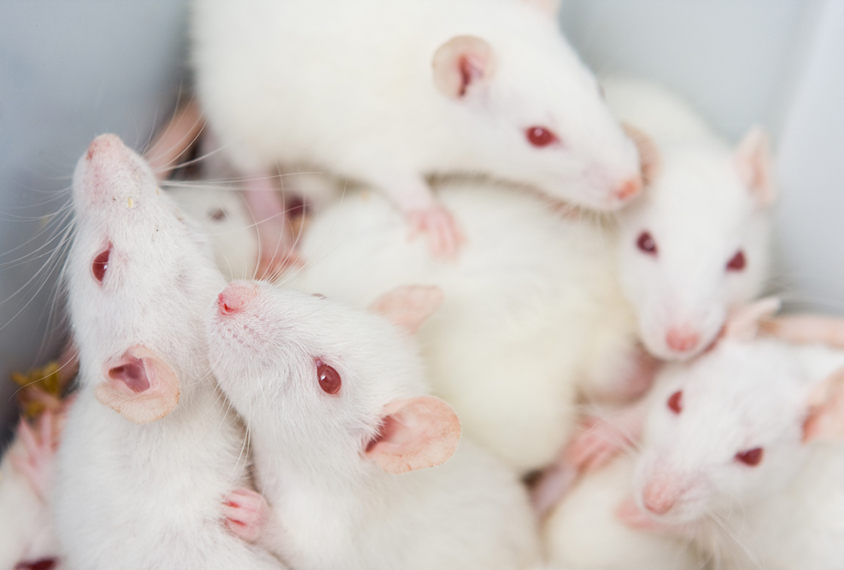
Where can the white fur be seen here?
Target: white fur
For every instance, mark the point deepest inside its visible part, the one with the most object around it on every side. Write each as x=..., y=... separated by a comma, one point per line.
x=144, y=496
x=700, y=214
x=26, y=521
x=333, y=507
x=531, y=307
x=533, y=310
x=584, y=533
x=786, y=512
x=224, y=217
x=349, y=87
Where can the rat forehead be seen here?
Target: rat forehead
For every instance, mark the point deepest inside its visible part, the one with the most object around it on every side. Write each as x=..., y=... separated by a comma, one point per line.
x=754, y=384
x=697, y=177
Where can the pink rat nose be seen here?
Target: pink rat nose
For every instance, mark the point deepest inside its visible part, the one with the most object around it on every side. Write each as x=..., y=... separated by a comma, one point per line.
x=629, y=189
x=104, y=144
x=235, y=297
x=659, y=497
x=682, y=339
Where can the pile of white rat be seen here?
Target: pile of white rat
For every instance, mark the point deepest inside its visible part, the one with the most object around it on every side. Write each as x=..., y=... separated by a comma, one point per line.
x=508, y=333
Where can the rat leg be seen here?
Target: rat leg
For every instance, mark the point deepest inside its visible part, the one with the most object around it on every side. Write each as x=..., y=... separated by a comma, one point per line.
x=552, y=486
x=37, y=464
x=247, y=514
x=601, y=439
x=806, y=329
x=274, y=230
x=425, y=215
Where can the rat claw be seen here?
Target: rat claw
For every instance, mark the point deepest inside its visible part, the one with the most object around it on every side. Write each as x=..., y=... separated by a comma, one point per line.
x=247, y=513
x=444, y=236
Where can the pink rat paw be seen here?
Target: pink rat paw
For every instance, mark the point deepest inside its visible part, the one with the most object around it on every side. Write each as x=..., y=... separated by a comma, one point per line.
x=246, y=514
x=37, y=462
x=596, y=445
x=444, y=236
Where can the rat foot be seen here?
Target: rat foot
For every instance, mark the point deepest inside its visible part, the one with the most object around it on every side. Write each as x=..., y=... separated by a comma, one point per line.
x=37, y=463
x=246, y=514
x=444, y=236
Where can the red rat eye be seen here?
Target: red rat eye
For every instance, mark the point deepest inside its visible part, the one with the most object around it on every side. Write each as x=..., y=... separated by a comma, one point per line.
x=738, y=262
x=751, y=457
x=675, y=402
x=646, y=243
x=540, y=136
x=100, y=265
x=329, y=379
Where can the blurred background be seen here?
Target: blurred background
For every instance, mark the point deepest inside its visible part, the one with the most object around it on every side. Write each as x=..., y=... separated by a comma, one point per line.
x=70, y=70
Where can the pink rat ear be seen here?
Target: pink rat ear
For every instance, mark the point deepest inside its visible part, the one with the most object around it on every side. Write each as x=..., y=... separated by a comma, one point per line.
x=139, y=386
x=755, y=166
x=408, y=306
x=460, y=63
x=826, y=410
x=743, y=324
x=415, y=433
x=649, y=155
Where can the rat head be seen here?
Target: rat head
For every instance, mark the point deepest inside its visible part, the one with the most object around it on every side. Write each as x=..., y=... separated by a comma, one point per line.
x=696, y=244
x=334, y=387
x=532, y=111
x=731, y=428
x=138, y=276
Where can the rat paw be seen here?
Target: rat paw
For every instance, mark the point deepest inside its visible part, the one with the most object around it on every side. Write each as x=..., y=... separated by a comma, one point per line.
x=595, y=445
x=37, y=462
x=444, y=236
x=246, y=514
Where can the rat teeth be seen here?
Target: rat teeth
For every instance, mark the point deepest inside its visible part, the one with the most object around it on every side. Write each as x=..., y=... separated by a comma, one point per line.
x=131, y=203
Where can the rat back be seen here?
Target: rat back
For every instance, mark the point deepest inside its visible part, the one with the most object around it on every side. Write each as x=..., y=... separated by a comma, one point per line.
x=351, y=89
x=531, y=307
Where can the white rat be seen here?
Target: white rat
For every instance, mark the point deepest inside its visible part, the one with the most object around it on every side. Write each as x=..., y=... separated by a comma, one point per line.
x=695, y=246
x=27, y=540
x=353, y=456
x=551, y=305
x=585, y=532
x=743, y=451
x=697, y=243
x=388, y=92
x=150, y=447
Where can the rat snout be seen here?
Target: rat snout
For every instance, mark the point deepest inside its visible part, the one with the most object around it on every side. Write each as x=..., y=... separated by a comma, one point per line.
x=104, y=147
x=682, y=339
x=235, y=297
x=111, y=175
x=628, y=189
x=660, y=495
